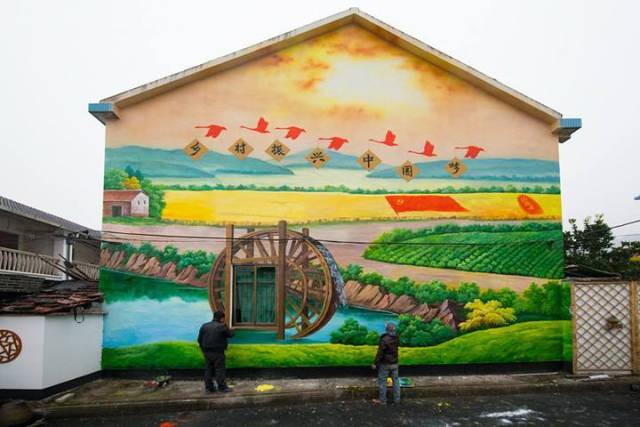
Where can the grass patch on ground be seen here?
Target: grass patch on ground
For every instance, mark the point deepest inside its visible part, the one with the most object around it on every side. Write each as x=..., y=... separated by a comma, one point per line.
x=541, y=341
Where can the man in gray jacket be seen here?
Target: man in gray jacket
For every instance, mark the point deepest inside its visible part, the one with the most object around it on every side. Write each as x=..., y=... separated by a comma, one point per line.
x=387, y=364
x=212, y=340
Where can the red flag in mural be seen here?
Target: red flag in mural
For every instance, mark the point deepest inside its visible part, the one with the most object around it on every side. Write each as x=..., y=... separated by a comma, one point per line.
x=529, y=205
x=423, y=203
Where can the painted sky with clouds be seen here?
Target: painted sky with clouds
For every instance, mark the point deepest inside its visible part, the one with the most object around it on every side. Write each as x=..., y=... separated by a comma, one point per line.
x=348, y=83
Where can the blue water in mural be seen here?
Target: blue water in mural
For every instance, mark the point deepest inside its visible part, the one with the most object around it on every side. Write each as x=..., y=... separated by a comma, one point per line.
x=142, y=310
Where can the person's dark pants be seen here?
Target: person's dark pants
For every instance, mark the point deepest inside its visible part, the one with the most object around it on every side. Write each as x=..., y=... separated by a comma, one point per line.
x=214, y=368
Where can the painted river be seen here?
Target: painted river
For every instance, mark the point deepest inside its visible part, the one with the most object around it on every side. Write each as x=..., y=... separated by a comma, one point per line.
x=143, y=310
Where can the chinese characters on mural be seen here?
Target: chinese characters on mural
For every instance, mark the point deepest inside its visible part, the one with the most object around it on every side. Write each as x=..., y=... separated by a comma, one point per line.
x=368, y=160
x=195, y=149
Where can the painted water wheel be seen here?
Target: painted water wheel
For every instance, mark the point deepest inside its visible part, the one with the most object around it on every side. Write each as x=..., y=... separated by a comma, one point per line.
x=312, y=283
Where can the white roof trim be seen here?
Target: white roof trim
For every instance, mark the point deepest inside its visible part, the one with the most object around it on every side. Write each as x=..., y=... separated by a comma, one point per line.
x=326, y=25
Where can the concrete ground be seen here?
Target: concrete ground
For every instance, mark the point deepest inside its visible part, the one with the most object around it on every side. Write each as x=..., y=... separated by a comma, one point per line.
x=112, y=397
x=572, y=409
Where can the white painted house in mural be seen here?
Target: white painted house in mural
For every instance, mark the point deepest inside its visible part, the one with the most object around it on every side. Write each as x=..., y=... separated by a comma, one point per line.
x=125, y=203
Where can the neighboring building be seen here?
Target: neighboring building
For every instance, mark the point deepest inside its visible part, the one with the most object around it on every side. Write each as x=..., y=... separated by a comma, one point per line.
x=50, y=326
x=125, y=203
x=29, y=238
x=345, y=143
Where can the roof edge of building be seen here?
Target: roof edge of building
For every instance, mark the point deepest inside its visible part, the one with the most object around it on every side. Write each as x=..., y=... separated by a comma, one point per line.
x=107, y=108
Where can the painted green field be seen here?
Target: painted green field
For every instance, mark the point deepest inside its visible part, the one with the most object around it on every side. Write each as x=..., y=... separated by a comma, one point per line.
x=524, y=251
x=523, y=342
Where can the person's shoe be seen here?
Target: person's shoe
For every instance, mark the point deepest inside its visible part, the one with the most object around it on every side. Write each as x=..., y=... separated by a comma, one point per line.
x=209, y=390
x=378, y=402
x=225, y=390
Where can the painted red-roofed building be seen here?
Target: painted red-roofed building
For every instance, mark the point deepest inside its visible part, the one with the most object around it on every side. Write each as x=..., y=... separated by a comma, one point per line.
x=125, y=203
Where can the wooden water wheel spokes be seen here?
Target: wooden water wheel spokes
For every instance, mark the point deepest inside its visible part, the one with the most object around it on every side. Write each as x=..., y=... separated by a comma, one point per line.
x=309, y=298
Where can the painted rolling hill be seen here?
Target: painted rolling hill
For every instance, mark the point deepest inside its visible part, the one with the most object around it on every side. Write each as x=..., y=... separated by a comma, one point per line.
x=527, y=170
x=158, y=163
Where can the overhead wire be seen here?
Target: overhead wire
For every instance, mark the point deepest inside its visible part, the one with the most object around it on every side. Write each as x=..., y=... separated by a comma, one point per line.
x=125, y=236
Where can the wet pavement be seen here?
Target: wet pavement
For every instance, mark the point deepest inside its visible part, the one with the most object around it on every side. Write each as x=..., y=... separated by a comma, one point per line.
x=549, y=409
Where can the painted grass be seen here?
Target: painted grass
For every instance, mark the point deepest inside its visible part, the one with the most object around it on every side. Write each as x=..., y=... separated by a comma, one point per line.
x=219, y=207
x=523, y=342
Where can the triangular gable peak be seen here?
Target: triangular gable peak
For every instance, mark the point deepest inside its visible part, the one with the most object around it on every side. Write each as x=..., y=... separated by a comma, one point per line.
x=108, y=108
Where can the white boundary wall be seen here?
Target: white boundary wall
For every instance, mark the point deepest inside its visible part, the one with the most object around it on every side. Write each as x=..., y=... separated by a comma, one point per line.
x=55, y=349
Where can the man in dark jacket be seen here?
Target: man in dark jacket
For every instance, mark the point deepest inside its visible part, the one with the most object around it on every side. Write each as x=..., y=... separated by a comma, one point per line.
x=387, y=364
x=212, y=339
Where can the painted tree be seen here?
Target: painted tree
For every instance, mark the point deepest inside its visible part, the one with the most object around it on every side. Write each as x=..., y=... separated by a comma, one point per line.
x=114, y=179
x=131, y=183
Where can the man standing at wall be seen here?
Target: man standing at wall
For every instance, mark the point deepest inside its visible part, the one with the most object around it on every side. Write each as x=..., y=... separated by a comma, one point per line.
x=212, y=340
x=387, y=363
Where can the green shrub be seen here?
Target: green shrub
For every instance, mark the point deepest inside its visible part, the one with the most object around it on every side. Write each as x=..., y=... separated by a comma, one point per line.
x=552, y=300
x=414, y=332
x=353, y=333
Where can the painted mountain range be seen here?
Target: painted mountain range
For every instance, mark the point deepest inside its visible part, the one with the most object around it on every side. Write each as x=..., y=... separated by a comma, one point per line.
x=159, y=163
x=528, y=170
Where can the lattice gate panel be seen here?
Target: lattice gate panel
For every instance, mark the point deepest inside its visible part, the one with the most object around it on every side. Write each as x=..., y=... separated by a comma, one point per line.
x=602, y=327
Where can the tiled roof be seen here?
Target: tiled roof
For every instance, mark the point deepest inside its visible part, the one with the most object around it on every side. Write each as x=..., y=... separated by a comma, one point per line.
x=59, y=297
x=120, y=195
x=16, y=208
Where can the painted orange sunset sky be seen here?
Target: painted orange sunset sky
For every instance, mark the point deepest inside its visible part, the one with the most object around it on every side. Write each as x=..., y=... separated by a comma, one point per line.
x=348, y=83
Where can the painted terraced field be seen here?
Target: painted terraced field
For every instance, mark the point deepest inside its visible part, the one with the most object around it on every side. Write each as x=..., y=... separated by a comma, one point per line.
x=533, y=249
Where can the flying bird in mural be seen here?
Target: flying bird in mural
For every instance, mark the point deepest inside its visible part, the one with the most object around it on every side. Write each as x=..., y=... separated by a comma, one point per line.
x=293, y=132
x=213, y=131
x=389, y=139
x=336, y=142
x=472, y=151
x=427, y=150
x=260, y=128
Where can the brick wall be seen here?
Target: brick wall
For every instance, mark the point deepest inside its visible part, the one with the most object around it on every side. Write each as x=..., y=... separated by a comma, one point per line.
x=19, y=283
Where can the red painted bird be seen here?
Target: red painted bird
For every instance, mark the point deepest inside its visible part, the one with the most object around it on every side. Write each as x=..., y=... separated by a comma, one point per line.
x=427, y=150
x=336, y=142
x=472, y=151
x=213, y=130
x=260, y=128
x=389, y=139
x=293, y=132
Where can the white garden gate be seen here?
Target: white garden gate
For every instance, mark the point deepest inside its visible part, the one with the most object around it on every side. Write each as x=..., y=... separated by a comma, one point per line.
x=605, y=326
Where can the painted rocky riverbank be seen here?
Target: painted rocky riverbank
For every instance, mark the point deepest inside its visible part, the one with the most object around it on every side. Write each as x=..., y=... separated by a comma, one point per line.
x=369, y=297
x=374, y=297
x=150, y=266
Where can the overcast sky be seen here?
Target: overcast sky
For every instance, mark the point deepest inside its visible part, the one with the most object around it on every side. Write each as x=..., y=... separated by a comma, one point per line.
x=580, y=58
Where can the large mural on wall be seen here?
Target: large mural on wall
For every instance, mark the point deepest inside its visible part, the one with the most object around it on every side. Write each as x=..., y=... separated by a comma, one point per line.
x=409, y=195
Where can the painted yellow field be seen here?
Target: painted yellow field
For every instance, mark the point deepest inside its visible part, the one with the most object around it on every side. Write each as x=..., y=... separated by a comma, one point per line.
x=264, y=208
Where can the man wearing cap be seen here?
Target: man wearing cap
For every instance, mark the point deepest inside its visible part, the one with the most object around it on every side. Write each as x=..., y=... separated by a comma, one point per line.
x=387, y=364
x=212, y=340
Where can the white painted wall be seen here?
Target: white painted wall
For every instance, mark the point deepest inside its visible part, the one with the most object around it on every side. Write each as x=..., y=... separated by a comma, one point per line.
x=55, y=349
x=25, y=372
x=140, y=205
x=71, y=349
